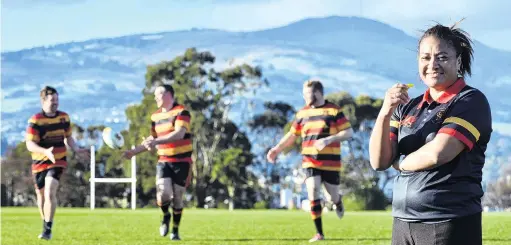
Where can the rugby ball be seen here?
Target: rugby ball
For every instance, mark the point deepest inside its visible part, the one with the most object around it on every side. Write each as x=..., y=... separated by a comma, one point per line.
x=112, y=139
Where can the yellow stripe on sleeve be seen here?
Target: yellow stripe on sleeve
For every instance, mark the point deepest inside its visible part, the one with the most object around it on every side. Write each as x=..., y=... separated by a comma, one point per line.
x=465, y=124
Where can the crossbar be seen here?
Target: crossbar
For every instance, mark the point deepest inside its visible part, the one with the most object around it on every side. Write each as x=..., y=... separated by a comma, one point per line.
x=113, y=180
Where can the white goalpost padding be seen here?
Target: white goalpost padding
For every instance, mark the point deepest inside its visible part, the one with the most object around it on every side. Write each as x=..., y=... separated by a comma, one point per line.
x=93, y=180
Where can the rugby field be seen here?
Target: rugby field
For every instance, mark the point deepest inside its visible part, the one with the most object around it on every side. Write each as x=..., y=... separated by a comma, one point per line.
x=116, y=226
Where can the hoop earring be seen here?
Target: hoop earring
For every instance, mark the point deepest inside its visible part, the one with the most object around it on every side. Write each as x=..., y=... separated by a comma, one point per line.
x=459, y=64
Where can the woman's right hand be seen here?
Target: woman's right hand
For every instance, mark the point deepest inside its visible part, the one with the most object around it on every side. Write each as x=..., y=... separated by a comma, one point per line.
x=397, y=94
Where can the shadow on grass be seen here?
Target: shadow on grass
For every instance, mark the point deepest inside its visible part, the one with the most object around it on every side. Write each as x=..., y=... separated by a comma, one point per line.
x=328, y=239
x=290, y=239
x=497, y=240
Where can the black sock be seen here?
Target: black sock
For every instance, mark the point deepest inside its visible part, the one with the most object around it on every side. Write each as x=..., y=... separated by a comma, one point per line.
x=165, y=209
x=316, y=215
x=319, y=225
x=47, y=225
x=177, y=212
x=166, y=218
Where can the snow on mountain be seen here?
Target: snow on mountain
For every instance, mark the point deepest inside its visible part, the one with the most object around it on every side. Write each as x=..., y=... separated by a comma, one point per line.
x=98, y=78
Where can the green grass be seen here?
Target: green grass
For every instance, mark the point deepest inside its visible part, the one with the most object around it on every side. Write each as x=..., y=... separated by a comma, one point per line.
x=113, y=226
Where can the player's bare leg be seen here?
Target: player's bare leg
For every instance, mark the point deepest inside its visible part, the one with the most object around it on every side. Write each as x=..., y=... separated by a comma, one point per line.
x=164, y=196
x=313, y=192
x=40, y=201
x=50, y=204
x=177, y=210
x=332, y=195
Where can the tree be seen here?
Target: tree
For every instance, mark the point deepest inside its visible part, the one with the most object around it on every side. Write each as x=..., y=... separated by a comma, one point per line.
x=230, y=167
x=17, y=183
x=498, y=193
x=358, y=110
x=210, y=96
x=267, y=127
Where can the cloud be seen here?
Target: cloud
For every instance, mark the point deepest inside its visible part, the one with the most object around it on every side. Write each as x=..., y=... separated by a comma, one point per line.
x=16, y=4
x=417, y=15
x=254, y=15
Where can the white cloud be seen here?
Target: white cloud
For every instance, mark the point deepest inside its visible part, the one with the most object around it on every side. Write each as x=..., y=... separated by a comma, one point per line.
x=412, y=15
x=255, y=15
x=502, y=128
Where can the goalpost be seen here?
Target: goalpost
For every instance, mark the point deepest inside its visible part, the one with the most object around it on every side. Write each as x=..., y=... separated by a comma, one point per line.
x=93, y=180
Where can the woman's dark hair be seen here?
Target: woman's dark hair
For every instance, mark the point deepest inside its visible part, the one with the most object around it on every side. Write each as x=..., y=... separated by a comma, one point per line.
x=459, y=39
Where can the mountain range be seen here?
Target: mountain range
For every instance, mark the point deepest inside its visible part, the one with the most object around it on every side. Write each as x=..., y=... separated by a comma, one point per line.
x=98, y=78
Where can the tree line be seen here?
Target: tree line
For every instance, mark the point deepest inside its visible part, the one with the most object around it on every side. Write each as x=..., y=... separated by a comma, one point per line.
x=229, y=169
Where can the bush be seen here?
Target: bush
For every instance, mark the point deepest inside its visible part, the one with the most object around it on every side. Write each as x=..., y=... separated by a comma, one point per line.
x=222, y=205
x=261, y=205
x=352, y=203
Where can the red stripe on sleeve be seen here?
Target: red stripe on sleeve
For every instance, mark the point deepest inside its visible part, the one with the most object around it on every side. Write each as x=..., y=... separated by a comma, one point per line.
x=458, y=136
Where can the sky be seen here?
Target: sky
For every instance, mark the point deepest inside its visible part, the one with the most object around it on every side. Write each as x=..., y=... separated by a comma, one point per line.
x=32, y=23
